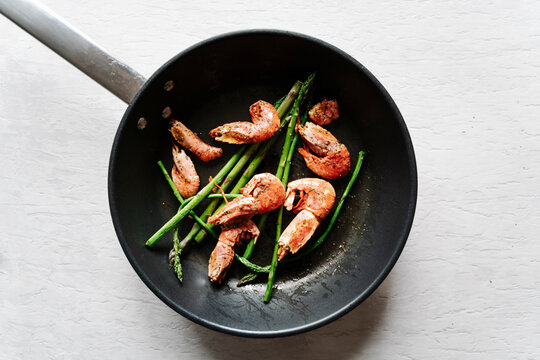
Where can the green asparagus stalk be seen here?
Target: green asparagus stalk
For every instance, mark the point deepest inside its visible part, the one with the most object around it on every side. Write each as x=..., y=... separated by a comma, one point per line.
x=273, y=265
x=175, y=260
x=328, y=229
x=282, y=106
x=170, y=182
x=201, y=195
x=335, y=215
x=228, y=180
x=232, y=175
x=304, y=90
x=246, y=176
x=250, y=170
x=183, y=201
x=287, y=148
x=282, y=169
x=177, y=248
x=290, y=130
x=214, y=196
x=277, y=104
x=174, y=257
x=296, y=136
x=282, y=162
x=226, y=183
x=246, y=279
x=252, y=266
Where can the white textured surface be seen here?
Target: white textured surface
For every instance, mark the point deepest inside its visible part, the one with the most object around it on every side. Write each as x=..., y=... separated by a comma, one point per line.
x=466, y=77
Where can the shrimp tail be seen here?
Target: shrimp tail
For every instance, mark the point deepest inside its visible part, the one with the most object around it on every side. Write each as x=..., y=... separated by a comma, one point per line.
x=223, y=254
x=297, y=233
x=220, y=261
x=239, y=210
x=334, y=166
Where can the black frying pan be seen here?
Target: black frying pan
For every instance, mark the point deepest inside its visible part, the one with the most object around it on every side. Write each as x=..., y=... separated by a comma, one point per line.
x=215, y=81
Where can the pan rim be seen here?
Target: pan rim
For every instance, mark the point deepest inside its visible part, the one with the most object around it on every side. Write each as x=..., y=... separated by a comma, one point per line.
x=413, y=192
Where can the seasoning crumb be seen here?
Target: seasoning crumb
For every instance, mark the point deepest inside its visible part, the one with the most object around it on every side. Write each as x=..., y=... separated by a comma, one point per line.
x=141, y=123
x=169, y=85
x=166, y=112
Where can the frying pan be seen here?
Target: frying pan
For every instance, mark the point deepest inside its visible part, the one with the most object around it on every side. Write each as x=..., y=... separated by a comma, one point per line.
x=214, y=82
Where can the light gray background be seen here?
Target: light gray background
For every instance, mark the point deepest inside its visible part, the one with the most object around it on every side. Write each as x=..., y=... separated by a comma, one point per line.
x=465, y=75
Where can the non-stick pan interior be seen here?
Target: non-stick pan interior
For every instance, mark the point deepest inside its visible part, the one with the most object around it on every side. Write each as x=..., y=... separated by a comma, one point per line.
x=215, y=82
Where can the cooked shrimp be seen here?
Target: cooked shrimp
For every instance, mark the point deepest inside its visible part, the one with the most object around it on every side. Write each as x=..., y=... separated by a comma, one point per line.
x=263, y=193
x=316, y=200
x=223, y=254
x=189, y=140
x=331, y=159
x=183, y=173
x=265, y=123
x=324, y=112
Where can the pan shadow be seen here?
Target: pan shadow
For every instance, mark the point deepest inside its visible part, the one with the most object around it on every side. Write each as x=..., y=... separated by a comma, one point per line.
x=344, y=338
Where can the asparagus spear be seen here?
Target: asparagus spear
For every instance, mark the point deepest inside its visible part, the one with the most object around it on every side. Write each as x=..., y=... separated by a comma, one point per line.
x=170, y=182
x=285, y=159
x=280, y=173
x=174, y=257
x=261, y=153
x=284, y=179
x=295, y=138
x=324, y=235
x=306, y=87
x=282, y=105
x=229, y=179
x=335, y=215
x=286, y=171
x=214, y=196
x=328, y=229
x=201, y=195
x=246, y=176
x=253, y=267
x=185, y=201
x=282, y=162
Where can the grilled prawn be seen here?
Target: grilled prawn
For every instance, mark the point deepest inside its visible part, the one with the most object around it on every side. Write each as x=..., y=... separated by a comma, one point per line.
x=324, y=112
x=183, y=173
x=316, y=200
x=265, y=123
x=330, y=159
x=263, y=193
x=223, y=254
x=189, y=140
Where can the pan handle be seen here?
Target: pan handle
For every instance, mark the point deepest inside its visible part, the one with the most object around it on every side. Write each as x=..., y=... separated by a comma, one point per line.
x=74, y=46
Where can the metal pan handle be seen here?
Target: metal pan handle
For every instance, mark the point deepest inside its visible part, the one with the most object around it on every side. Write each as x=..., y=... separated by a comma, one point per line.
x=74, y=46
